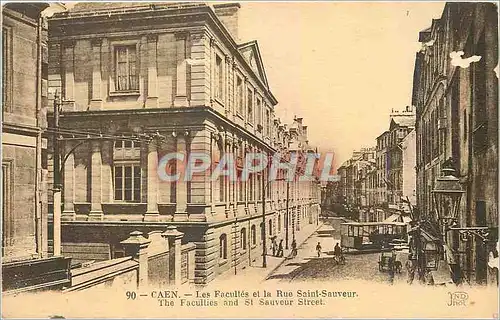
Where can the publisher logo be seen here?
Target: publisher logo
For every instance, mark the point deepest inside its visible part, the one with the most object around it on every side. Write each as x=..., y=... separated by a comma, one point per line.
x=458, y=298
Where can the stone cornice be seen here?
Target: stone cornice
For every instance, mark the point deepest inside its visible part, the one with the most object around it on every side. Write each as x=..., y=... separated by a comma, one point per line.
x=168, y=111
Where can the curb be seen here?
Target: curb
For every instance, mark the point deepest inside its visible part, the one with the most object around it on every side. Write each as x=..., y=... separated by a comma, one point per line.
x=298, y=245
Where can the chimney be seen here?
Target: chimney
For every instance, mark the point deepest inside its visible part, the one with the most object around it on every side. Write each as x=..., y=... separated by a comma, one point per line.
x=228, y=15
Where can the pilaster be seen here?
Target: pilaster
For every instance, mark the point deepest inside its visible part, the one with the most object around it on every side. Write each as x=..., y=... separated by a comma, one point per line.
x=96, y=101
x=68, y=48
x=152, y=97
x=152, y=213
x=68, y=213
x=181, y=90
x=96, y=183
x=181, y=185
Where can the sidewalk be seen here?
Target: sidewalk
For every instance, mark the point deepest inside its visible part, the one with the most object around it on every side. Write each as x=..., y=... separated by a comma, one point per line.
x=256, y=273
x=306, y=252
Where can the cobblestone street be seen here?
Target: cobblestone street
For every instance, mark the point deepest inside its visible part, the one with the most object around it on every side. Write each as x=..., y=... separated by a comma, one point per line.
x=307, y=266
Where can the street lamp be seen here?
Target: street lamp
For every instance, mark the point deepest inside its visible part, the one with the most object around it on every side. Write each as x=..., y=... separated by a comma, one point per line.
x=447, y=194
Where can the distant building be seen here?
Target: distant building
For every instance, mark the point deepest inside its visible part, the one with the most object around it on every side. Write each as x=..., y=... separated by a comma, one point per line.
x=401, y=124
x=409, y=176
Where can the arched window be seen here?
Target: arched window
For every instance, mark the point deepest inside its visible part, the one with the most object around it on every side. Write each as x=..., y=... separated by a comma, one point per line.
x=223, y=246
x=243, y=239
x=279, y=222
x=254, y=235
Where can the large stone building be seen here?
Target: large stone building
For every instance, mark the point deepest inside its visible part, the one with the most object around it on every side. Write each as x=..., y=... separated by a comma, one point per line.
x=457, y=117
x=178, y=73
x=26, y=264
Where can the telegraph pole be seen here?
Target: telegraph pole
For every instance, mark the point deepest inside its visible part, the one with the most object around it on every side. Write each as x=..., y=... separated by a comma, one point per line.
x=56, y=220
x=287, y=221
x=264, y=246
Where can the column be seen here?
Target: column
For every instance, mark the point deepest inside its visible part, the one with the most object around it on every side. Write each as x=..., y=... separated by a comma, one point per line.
x=227, y=180
x=137, y=246
x=234, y=184
x=68, y=213
x=174, y=238
x=96, y=182
x=181, y=185
x=152, y=213
x=96, y=101
x=246, y=183
x=214, y=136
x=152, y=99
x=68, y=48
x=107, y=190
x=181, y=92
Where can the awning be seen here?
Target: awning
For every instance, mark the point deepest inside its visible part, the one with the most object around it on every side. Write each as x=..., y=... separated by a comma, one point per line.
x=392, y=218
x=429, y=237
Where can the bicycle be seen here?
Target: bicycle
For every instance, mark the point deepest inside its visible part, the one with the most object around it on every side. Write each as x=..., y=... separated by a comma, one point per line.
x=339, y=259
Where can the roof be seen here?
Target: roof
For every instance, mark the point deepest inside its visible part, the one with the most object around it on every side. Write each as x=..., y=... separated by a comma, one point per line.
x=403, y=120
x=361, y=224
x=98, y=6
x=250, y=50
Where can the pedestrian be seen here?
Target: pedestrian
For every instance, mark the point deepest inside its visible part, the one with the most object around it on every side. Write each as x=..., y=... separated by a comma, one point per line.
x=318, y=249
x=429, y=279
x=390, y=266
x=410, y=269
x=280, y=249
x=294, y=248
x=273, y=246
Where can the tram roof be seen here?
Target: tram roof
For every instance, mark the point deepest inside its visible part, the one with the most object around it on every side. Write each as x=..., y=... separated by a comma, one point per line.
x=362, y=224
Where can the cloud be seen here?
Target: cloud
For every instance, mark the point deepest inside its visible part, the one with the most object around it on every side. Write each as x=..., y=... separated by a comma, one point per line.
x=458, y=61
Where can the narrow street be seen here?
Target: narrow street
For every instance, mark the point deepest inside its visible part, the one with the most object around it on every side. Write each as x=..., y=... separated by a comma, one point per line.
x=307, y=266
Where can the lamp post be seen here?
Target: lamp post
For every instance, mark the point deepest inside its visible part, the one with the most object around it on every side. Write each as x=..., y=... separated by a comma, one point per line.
x=447, y=194
x=56, y=212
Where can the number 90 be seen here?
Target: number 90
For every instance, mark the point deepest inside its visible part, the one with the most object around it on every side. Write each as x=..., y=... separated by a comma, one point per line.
x=131, y=295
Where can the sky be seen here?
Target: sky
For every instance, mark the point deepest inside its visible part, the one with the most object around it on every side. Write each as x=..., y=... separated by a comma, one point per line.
x=342, y=66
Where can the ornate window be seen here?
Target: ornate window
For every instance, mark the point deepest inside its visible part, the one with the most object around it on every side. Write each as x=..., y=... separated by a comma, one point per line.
x=126, y=75
x=127, y=171
x=249, y=106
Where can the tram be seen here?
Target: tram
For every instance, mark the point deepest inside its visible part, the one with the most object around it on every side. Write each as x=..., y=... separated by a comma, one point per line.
x=371, y=235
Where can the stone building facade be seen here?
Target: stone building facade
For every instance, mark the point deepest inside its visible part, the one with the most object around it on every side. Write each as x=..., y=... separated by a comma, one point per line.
x=23, y=218
x=457, y=117
x=26, y=262
x=170, y=78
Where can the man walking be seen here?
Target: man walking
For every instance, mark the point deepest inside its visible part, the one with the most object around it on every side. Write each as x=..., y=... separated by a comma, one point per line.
x=318, y=249
x=280, y=249
x=410, y=268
